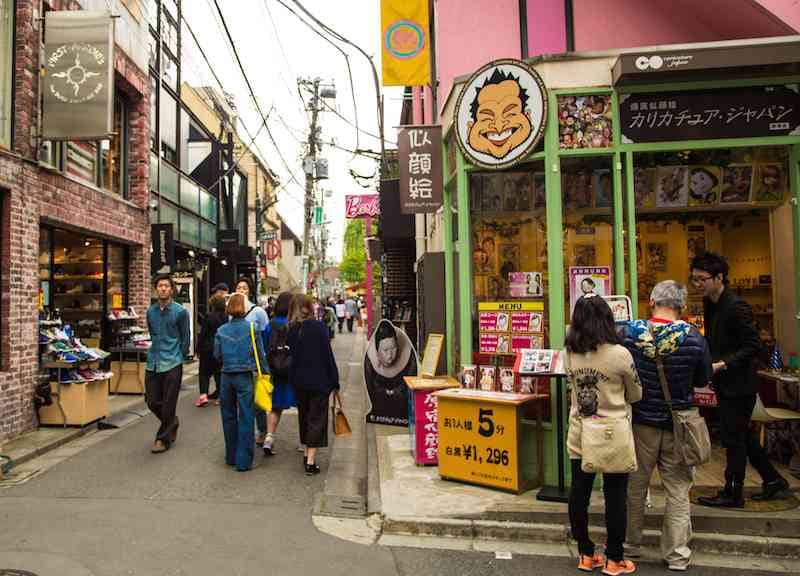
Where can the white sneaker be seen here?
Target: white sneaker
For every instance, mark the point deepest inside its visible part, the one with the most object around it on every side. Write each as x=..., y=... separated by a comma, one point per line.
x=269, y=442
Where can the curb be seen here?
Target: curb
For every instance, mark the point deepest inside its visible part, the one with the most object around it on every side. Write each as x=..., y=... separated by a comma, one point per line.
x=712, y=543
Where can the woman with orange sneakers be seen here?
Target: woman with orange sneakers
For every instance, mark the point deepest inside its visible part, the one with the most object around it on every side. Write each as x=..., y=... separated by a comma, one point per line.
x=604, y=384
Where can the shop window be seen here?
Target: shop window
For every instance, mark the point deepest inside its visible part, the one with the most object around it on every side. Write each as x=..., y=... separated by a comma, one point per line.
x=169, y=71
x=169, y=28
x=585, y=121
x=190, y=229
x=153, y=173
x=50, y=154
x=81, y=160
x=6, y=69
x=509, y=265
x=169, y=182
x=587, y=199
x=168, y=110
x=195, y=149
x=153, y=114
x=208, y=235
x=114, y=153
x=208, y=206
x=168, y=214
x=691, y=201
x=190, y=195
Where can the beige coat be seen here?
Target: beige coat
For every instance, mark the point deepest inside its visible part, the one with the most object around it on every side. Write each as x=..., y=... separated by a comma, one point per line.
x=603, y=383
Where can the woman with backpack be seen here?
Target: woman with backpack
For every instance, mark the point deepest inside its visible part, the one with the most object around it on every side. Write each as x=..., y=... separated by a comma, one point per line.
x=603, y=384
x=313, y=375
x=279, y=360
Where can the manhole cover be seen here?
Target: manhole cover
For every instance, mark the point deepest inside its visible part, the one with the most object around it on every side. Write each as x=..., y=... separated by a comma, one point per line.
x=13, y=572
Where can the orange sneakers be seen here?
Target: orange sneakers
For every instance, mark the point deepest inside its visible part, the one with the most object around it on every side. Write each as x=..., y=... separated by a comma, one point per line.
x=616, y=568
x=589, y=563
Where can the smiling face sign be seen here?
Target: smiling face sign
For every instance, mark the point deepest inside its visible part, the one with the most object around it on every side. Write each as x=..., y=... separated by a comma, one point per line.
x=501, y=113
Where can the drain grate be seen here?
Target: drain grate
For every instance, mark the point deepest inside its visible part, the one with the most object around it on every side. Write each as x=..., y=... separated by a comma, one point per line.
x=347, y=506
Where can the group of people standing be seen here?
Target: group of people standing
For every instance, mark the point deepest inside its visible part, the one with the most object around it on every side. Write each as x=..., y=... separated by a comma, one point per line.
x=237, y=338
x=617, y=373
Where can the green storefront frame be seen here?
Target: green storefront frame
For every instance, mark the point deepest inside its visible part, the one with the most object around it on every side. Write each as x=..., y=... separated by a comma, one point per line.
x=456, y=186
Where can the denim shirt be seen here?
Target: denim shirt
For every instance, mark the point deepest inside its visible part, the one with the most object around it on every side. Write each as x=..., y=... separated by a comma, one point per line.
x=233, y=347
x=169, y=334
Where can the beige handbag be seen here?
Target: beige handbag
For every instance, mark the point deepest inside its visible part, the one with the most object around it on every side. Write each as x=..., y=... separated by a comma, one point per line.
x=341, y=427
x=606, y=442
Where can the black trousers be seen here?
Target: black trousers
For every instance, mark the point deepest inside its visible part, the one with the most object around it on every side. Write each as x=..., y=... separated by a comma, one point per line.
x=161, y=394
x=209, y=367
x=740, y=444
x=615, y=490
x=312, y=414
x=350, y=324
x=341, y=323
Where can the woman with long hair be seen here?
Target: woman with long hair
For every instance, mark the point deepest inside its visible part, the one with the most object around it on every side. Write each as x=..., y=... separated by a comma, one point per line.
x=209, y=366
x=236, y=349
x=277, y=333
x=313, y=375
x=603, y=384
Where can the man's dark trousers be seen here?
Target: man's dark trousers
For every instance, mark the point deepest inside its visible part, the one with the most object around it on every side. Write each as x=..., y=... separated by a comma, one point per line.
x=350, y=324
x=161, y=394
x=734, y=419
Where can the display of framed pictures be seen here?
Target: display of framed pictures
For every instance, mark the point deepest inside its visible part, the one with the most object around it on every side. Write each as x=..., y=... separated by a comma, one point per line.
x=585, y=255
x=657, y=256
x=469, y=376
x=525, y=285
x=644, y=180
x=488, y=376
x=539, y=190
x=585, y=280
x=770, y=182
x=576, y=189
x=506, y=380
x=672, y=186
x=584, y=121
x=603, y=188
x=505, y=327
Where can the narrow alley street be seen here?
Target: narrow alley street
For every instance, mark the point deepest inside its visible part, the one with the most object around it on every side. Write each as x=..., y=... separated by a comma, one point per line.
x=111, y=508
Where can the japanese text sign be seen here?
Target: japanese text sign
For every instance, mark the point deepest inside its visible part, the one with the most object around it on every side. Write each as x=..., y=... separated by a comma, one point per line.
x=478, y=441
x=420, y=153
x=362, y=206
x=427, y=434
x=506, y=327
x=749, y=112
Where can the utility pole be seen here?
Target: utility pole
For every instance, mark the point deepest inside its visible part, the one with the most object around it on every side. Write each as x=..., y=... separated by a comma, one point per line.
x=310, y=162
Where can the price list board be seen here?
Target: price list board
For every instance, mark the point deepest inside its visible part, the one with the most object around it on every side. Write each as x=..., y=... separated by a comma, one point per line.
x=481, y=438
x=507, y=327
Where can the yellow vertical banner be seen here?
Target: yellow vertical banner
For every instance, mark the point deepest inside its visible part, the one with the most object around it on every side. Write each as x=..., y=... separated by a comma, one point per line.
x=405, y=43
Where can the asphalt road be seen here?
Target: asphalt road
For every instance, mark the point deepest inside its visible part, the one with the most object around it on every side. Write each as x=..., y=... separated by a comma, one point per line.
x=114, y=509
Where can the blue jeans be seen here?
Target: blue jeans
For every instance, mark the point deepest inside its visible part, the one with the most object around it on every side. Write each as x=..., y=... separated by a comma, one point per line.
x=236, y=403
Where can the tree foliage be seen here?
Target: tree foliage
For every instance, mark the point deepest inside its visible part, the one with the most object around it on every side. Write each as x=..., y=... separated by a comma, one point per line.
x=354, y=254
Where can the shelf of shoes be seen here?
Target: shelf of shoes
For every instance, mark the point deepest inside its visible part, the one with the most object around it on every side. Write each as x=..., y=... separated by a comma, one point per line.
x=130, y=344
x=77, y=383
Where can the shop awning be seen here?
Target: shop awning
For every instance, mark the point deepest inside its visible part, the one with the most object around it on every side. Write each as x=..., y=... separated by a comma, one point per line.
x=672, y=64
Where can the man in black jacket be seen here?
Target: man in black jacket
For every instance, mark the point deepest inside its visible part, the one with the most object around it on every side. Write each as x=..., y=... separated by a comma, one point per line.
x=734, y=343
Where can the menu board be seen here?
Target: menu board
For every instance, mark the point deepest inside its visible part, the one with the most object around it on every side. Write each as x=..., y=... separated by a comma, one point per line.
x=507, y=327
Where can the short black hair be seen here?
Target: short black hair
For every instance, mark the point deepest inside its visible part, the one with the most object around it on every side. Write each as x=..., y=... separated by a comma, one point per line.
x=282, y=304
x=592, y=325
x=249, y=283
x=712, y=263
x=497, y=77
x=220, y=286
x=168, y=277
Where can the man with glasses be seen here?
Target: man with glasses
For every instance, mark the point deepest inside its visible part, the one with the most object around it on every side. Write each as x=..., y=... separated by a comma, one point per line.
x=734, y=343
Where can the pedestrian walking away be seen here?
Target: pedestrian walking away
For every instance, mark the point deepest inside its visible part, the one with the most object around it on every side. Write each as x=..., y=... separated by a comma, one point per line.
x=168, y=323
x=258, y=316
x=278, y=358
x=686, y=361
x=341, y=313
x=734, y=343
x=352, y=312
x=314, y=376
x=209, y=366
x=235, y=347
x=604, y=384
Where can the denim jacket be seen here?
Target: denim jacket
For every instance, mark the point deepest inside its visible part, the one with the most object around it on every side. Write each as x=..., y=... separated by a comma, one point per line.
x=169, y=334
x=233, y=347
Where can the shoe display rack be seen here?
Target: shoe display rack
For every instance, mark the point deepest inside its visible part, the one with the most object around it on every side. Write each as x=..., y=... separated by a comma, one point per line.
x=130, y=344
x=78, y=290
x=78, y=384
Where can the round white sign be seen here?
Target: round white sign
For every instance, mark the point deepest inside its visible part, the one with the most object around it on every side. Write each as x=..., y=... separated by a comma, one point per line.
x=501, y=113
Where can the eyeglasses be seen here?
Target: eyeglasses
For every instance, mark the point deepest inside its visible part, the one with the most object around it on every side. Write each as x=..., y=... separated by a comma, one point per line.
x=696, y=280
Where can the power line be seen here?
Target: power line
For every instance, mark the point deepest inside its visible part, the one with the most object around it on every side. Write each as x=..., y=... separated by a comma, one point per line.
x=265, y=6
x=348, y=121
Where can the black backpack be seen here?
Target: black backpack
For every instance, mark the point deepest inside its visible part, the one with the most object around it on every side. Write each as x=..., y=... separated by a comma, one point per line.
x=279, y=355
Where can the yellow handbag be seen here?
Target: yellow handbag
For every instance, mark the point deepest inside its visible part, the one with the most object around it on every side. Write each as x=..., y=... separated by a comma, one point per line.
x=263, y=388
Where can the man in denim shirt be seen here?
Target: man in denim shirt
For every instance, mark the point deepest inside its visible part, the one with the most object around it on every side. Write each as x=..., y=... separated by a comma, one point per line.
x=168, y=323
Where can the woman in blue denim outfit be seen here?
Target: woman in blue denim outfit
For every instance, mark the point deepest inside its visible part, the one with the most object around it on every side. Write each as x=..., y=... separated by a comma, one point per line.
x=233, y=348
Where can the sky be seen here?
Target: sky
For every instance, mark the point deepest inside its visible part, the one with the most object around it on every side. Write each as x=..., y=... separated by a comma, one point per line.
x=276, y=49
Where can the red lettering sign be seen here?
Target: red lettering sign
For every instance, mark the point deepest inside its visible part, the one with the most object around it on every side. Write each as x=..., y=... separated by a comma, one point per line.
x=362, y=206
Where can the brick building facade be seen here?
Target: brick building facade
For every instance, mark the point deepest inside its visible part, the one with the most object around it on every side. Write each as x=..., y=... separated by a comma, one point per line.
x=33, y=194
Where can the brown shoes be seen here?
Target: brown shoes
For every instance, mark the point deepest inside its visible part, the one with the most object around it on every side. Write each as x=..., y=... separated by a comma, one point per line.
x=158, y=447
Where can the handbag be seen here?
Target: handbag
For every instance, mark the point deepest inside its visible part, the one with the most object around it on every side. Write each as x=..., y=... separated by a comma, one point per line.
x=263, y=387
x=606, y=441
x=692, y=443
x=341, y=427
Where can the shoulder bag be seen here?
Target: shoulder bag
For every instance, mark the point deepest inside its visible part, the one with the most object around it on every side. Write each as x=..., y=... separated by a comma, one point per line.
x=606, y=441
x=692, y=443
x=341, y=427
x=263, y=387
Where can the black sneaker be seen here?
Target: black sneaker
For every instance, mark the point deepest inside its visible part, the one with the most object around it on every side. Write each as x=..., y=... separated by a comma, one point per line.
x=312, y=469
x=771, y=489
